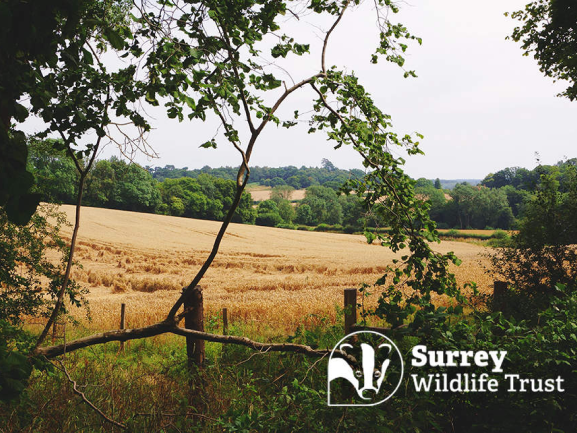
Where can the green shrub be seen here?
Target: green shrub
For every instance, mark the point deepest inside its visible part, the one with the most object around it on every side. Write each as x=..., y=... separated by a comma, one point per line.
x=349, y=229
x=328, y=228
x=286, y=226
x=269, y=219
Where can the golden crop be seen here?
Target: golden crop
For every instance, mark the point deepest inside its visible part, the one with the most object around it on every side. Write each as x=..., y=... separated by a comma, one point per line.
x=266, y=275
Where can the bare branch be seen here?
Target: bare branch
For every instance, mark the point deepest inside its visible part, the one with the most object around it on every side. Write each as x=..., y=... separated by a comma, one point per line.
x=326, y=41
x=83, y=173
x=88, y=402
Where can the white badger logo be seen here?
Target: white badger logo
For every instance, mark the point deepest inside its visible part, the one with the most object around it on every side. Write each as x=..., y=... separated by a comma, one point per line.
x=374, y=354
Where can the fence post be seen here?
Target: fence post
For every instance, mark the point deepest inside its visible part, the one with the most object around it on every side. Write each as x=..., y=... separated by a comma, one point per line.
x=225, y=321
x=499, y=291
x=350, y=309
x=194, y=319
x=122, y=322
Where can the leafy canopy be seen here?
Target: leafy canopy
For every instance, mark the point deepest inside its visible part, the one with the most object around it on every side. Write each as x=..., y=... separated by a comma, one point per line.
x=548, y=31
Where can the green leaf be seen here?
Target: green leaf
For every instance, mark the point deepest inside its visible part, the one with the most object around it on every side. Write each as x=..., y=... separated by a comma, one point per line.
x=114, y=38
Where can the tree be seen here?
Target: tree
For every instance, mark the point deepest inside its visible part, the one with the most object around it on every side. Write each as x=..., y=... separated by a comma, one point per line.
x=438, y=184
x=30, y=39
x=134, y=189
x=423, y=183
x=477, y=207
x=324, y=205
x=268, y=214
x=205, y=197
x=281, y=192
x=327, y=165
x=548, y=32
x=117, y=185
x=206, y=59
x=55, y=175
x=287, y=211
x=435, y=196
x=48, y=56
x=542, y=255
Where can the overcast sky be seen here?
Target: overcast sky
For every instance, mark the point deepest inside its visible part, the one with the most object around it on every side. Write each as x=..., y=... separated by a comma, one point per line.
x=480, y=104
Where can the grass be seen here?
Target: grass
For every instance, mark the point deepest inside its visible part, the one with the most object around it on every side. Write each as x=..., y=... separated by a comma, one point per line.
x=149, y=388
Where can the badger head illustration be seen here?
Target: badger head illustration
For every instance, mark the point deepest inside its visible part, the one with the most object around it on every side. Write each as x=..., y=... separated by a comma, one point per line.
x=368, y=374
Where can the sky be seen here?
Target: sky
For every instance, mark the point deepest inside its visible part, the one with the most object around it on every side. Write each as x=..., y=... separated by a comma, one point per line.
x=479, y=103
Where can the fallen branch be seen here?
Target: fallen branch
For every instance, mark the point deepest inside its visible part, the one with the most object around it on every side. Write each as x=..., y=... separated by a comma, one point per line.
x=163, y=328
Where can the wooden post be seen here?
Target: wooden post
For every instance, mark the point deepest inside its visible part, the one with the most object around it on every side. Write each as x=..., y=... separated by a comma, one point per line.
x=499, y=291
x=194, y=319
x=122, y=322
x=225, y=321
x=350, y=309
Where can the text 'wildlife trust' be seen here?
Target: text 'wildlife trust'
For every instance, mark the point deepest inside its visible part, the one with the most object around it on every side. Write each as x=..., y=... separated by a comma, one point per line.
x=471, y=382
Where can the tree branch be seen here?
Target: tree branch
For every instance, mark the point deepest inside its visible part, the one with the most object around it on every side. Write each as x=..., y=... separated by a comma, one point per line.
x=326, y=41
x=243, y=174
x=62, y=291
x=240, y=82
x=163, y=328
x=172, y=318
x=365, y=157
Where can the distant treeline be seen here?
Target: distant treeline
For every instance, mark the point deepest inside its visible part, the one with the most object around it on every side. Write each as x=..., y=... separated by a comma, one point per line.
x=497, y=202
x=115, y=184
x=299, y=178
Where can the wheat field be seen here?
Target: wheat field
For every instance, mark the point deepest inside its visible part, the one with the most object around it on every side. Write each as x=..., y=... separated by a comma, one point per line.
x=272, y=277
x=261, y=193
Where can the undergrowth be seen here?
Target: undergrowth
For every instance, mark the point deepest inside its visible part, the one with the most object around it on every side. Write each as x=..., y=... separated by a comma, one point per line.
x=149, y=388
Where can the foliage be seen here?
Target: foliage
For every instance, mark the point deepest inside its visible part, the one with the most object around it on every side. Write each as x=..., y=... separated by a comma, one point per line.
x=208, y=58
x=548, y=32
x=29, y=283
x=26, y=265
x=542, y=255
x=205, y=197
x=388, y=194
x=268, y=214
x=436, y=196
x=281, y=192
x=56, y=177
x=30, y=38
x=115, y=184
x=294, y=177
x=286, y=211
x=53, y=61
x=324, y=206
x=479, y=207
